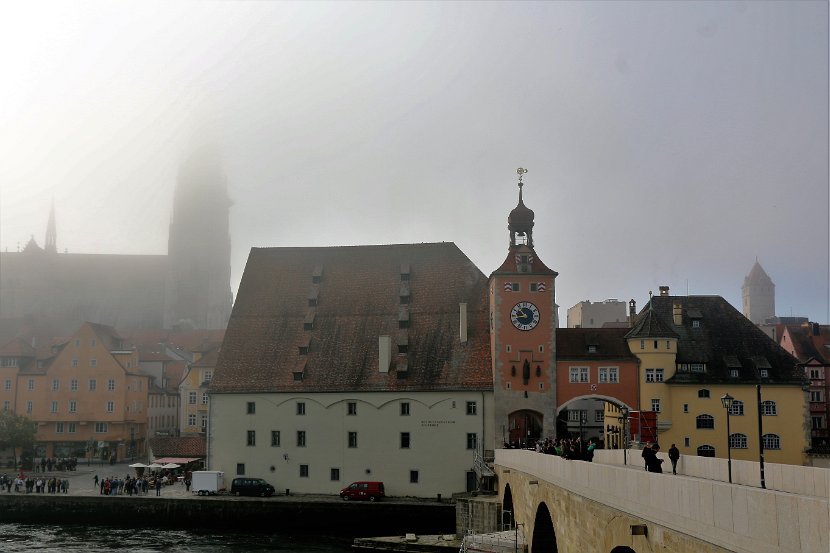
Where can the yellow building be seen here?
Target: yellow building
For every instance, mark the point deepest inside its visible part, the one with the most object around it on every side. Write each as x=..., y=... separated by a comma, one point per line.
x=86, y=393
x=693, y=351
x=193, y=392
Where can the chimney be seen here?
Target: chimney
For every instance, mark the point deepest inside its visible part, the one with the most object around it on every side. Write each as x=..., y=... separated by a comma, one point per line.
x=462, y=322
x=632, y=312
x=677, y=311
x=664, y=290
x=384, y=353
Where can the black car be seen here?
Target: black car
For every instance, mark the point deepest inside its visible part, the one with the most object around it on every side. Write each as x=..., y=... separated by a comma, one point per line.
x=252, y=486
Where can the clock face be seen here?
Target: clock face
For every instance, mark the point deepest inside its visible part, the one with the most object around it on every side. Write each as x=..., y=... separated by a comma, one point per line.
x=524, y=315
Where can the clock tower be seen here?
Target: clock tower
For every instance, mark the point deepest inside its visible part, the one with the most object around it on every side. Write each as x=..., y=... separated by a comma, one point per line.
x=523, y=336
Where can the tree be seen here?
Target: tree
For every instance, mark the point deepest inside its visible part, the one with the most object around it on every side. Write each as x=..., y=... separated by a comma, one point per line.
x=17, y=431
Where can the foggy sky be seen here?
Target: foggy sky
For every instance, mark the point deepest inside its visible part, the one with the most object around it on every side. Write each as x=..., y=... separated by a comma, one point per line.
x=667, y=143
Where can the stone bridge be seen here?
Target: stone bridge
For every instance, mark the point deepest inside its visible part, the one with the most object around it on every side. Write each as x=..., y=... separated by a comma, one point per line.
x=603, y=507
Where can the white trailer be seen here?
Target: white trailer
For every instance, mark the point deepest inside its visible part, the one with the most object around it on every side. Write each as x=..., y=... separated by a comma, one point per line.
x=207, y=482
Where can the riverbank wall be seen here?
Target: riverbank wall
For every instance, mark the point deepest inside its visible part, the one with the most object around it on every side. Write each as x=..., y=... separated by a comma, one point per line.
x=284, y=515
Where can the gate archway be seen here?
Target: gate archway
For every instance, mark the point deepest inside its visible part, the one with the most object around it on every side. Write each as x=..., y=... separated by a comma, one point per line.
x=525, y=427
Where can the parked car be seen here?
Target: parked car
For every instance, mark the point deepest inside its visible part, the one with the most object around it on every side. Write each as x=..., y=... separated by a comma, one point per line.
x=251, y=486
x=363, y=490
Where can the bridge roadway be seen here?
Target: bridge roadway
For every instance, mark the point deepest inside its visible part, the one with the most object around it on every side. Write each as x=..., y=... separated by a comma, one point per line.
x=608, y=507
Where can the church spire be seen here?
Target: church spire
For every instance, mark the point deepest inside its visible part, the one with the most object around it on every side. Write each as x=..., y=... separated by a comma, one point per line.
x=520, y=220
x=51, y=245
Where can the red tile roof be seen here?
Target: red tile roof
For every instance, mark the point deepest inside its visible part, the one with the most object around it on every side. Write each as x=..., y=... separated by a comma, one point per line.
x=358, y=300
x=182, y=446
x=609, y=343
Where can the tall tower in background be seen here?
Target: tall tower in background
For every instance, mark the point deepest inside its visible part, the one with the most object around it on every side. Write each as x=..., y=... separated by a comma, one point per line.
x=199, y=247
x=523, y=336
x=51, y=244
x=758, y=294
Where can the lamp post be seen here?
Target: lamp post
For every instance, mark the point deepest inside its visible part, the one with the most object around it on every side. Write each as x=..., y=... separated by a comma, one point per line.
x=727, y=400
x=582, y=422
x=624, y=413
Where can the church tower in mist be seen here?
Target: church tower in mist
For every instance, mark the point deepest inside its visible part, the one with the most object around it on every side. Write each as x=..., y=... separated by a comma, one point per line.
x=198, y=291
x=758, y=294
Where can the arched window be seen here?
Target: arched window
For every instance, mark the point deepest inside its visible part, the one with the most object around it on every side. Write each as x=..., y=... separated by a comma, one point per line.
x=737, y=441
x=703, y=393
x=768, y=408
x=706, y=451
x=771, y=441
x=737, y=408
x=705, y=421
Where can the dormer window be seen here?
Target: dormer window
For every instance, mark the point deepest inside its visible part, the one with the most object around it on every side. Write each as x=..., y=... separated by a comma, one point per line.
x=733, y=373
x=404, y=300
x=592, y=349
x=312, y=302
x=764, y=373
x=303, y=350
x=695, y=323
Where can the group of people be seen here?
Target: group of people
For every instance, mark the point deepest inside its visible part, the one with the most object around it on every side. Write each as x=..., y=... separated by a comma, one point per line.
x=654, y=463
x=130, y=485
x=568, y=448
x=46, y=464
x=22, y=483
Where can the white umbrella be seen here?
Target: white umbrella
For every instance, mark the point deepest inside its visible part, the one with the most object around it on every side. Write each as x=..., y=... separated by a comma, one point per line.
x=154, y=466
x=138, y=466
x=171, y=466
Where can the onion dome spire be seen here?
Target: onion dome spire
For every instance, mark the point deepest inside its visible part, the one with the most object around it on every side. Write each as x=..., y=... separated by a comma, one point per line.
x=520, y=220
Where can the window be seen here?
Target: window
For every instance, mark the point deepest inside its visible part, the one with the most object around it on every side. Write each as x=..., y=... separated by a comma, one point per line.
x=703, y=393
x=111, y=385
x=472, y=440
x=404, y=409
x=251, y=438
x=815, y=396
x=56, y=385
x=302, y=350
x=208, y=375
x=574, y=374
x=655, y=405
x=275, y=438
x=609, y=374
x=764, y=373
x=815, y=374
x=685, y=407
x=73, y=385
x=352, y=439
x=696, y=367
x=403, y=349
x=100, y=427
x=687, y=441
x=303, y=471
x=300, y=408
x=654, y=375
x=413, y=476
x=29, y=407
x=335, y=474
x=74, y=363
x=737, y=408
x=72, y=427
x=705, y=421
x=817, y=422
x=771, y=441
x=31, y=384
x=576, y=415
x=706, y=451
x=592, y=349
x=737, y=441
x=579, y=374
x=54, y=408
x=93, y=384
x=92, y=343
x=73, y=406
x=512, y=287
x=471, y=407
x=205, y=398
x=300, y=438
x=7, y=405
x=59, y=427
x=250, y=407
x=351, y=408
x=733, y=373
x=599, y=415
x=110, y=406
x=7, y=385
x=93, y=363
x=203, y=422
x=191, y=419
x=695, y=323
x=768, y=408
x=404, y=440
x=240, y=469
x=583, y=374
x=642, y=344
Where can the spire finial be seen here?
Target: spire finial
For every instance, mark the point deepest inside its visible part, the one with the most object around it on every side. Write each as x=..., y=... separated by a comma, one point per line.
x=521, y=172
x=650, y=302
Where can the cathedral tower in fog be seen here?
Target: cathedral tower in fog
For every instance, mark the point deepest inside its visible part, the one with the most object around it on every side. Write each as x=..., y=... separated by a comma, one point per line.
x=758, y=294
x=199, y=245
x=188, y=288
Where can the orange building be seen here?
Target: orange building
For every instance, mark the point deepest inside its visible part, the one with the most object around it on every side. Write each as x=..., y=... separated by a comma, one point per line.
x=87, y=395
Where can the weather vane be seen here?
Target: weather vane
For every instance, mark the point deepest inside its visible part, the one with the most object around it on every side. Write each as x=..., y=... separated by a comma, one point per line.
x=521, y=172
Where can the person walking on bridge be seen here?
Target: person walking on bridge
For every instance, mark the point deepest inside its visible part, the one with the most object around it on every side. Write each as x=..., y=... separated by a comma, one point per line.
x=674, y=456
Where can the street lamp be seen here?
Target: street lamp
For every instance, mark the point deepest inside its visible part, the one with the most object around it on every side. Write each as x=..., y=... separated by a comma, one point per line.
x=727, y=400
x=624, y=413
x=582, y=422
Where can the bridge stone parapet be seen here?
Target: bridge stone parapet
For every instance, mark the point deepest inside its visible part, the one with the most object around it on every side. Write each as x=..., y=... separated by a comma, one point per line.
x=605, y=508
x=783, y=478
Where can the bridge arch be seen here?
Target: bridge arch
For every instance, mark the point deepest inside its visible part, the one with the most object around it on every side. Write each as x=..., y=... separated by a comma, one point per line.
x=622, y=549
x=544, y=536
x=508, y=518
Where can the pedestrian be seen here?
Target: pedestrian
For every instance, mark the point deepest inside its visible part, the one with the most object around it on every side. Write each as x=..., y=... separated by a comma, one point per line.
x=96, y=480
x=158, y=486
x=653, y=463
x=645, y=454
x=674, y=456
